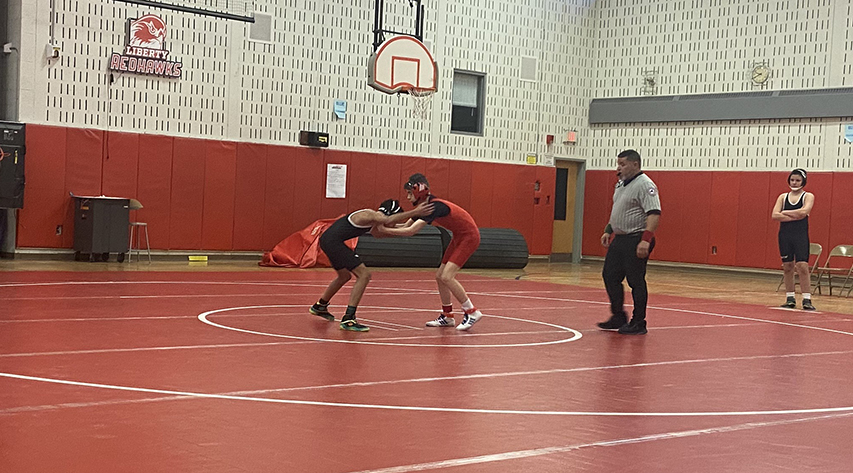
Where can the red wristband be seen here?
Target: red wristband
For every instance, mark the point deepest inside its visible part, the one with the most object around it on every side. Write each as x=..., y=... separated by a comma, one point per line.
x=648, y=236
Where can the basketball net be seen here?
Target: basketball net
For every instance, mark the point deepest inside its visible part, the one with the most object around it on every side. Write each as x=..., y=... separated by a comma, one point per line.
x=421, y=100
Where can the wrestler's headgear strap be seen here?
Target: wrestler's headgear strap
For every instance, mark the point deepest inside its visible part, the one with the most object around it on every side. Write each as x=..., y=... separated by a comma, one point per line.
x=390, y=207
x=801, y=172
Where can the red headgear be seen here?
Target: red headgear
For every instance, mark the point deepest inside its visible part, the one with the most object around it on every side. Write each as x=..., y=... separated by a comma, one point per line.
x=418, y=186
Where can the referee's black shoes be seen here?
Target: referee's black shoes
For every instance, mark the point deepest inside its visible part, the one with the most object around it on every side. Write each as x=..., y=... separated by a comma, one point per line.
x=634, y=327
x=615, y=322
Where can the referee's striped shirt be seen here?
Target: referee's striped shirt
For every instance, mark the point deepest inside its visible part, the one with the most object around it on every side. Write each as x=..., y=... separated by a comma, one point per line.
x=633, y=200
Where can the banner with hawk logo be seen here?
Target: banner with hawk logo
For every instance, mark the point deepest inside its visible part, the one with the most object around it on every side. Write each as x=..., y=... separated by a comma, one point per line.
x=145, y=51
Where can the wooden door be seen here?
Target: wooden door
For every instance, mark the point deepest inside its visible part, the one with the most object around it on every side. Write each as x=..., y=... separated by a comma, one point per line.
x=564, y=210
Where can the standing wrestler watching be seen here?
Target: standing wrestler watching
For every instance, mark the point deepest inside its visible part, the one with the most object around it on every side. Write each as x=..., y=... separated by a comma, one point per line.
x=792, y=211
x=629, y=238
x=466, y=239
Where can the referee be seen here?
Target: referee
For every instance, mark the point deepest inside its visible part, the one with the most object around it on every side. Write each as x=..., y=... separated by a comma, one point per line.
x=629, y=238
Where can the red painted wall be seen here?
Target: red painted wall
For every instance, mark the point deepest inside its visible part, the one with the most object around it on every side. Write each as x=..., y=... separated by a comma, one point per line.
x=224, y=196
x=723, y=218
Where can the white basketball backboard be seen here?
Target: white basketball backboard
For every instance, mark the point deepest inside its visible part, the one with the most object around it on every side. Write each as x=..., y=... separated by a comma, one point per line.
x=400, y=64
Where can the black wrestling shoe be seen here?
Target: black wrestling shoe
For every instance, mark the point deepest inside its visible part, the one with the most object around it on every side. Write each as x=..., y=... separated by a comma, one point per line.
x=322, y=311
x=790, y=303
x=807, y=304
x=634, y=328
x=353, y=326
x=614, y=322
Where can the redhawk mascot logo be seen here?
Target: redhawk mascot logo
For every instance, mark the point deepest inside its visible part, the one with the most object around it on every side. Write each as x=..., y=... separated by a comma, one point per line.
x=145, y=52
x=148, y=32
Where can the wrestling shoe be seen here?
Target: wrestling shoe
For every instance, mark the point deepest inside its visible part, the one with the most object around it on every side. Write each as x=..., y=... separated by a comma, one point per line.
x=614, y=322
x=468, y=320
x=322, y=311
x=442, y=321
x=353, y=326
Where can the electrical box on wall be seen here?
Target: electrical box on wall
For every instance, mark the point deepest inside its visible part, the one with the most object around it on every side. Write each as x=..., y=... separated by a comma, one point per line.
x=314, y=138
x=53, y=50
x=12, y=151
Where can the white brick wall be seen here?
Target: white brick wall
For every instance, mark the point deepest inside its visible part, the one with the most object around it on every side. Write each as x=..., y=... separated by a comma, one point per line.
x=237, y=89
x=711, y=46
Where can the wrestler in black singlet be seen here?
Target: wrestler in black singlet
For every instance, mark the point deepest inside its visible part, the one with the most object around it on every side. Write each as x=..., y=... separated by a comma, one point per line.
x=794, y=236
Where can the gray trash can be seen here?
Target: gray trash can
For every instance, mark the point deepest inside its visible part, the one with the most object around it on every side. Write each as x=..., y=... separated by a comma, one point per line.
x=100, y=227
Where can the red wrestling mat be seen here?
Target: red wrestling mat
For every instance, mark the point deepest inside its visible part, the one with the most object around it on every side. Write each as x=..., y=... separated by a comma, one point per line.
x=224, y=372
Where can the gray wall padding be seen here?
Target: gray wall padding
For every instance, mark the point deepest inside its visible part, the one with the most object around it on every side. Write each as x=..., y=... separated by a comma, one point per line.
x=812, y=103
x=499, y=248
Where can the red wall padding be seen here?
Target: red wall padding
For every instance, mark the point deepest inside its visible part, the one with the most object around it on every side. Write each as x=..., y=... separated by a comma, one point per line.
x=672, y=191
x=754, y=208
x=388, y=178
x=250, y=196
x=598, y=199
x=460, y=176
x=840, y=223
x=482, y=186
x=438, y=173
x=722, y=218
x=83, y=156
x=46, y=202
x=121, y=164
x=219, y=195
x=361, y=188
x=693, y=229
x=308, y=178
x=220, y=171
x=279, y=184
x=155, y=187
x=188, y=185
x=512, y=199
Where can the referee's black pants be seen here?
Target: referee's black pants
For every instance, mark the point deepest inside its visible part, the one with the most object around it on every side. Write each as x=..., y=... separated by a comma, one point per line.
x=621, y=263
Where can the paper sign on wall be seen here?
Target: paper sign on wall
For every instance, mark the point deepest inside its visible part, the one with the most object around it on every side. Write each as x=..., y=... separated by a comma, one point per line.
x=336, y=181
x=341, y=108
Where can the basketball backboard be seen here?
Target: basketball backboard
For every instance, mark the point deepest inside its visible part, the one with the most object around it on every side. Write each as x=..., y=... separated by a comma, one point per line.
x=402, y=64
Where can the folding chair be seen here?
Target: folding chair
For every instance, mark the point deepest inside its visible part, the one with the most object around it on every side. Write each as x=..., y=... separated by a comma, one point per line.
x=815, y=249
x=839, y=268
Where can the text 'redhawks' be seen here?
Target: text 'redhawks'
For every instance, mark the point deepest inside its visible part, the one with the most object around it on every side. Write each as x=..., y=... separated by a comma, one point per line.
x=145, y=52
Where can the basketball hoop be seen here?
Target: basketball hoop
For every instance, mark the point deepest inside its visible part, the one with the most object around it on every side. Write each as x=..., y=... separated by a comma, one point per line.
x=404, y=65
x=421, y=100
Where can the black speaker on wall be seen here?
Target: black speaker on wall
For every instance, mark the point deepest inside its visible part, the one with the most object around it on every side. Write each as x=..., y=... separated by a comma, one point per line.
x=314, y=138
x=12, y=151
